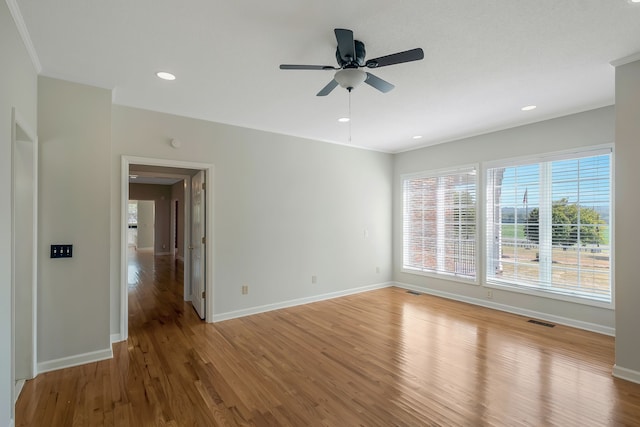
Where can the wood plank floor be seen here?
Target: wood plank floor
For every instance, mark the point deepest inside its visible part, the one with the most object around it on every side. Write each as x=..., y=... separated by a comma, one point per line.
x=380, y=358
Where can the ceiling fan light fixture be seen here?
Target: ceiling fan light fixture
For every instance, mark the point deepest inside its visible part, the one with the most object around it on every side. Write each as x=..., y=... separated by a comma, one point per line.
x=529, y=108
x=350, y=78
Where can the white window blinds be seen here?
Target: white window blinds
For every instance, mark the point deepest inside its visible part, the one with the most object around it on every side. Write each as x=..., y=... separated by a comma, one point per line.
x=439, y=223
x=548, y=225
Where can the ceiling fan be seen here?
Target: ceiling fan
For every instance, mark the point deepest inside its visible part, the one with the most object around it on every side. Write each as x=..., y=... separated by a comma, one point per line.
x=350, y=55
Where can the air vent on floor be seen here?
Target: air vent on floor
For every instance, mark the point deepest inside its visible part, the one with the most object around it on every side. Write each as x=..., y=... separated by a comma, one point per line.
x=414, y=293
x=537, y=322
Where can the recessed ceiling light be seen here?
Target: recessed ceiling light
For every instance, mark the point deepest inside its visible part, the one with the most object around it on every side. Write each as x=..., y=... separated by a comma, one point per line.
x=529, y=108
x=344, y=119
x=165, y=76
x=634, y=1
x=417, y=136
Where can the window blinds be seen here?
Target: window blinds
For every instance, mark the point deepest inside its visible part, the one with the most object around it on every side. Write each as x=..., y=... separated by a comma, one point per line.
x=439, y=223
x=548, y=225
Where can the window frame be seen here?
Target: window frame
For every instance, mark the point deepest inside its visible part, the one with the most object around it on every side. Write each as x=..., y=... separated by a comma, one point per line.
x=476, y=280
x=576, y=153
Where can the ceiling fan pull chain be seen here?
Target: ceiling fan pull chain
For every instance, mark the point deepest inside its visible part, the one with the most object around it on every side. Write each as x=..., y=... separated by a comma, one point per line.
x=349, y=115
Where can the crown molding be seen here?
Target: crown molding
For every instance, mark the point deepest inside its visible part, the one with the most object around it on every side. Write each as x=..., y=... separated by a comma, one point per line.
x=24, y=34
x=626, y=60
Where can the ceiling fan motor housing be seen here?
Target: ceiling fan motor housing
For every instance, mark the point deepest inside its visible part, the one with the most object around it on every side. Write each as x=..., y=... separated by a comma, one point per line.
x=356, y=62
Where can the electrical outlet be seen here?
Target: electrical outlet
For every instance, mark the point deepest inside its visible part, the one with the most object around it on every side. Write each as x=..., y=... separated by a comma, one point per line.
x=314, y=280
x=489, y=294
x=245, y=289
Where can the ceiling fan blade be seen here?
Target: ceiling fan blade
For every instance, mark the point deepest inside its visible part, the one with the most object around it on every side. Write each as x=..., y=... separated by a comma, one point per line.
x=346, y=45
x=396, y=58
x=376, y=82
x=307, y=67
x=328, y=88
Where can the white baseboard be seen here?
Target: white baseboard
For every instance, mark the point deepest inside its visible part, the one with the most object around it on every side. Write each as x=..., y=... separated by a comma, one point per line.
x=626, y=374
x=300, y=301
x=592, y=327
x=116, y=338
x=70, y=361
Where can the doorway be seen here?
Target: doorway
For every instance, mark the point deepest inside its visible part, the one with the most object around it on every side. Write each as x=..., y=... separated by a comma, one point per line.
x=172, y=168
x=24, y=254
x=141, y=224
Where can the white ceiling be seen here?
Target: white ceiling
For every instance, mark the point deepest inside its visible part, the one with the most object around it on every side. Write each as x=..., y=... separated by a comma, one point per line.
x=484, y=60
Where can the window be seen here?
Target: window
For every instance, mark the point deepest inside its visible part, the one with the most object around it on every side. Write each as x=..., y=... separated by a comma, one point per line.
x=548, y=225
x=439, y=223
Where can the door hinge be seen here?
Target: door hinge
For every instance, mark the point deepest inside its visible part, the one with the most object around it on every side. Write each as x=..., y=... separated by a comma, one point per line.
x=203, y=293
x=204, y=240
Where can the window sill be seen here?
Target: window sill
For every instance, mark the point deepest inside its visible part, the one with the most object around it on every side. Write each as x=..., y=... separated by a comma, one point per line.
x=442, y=276
x=505, y=286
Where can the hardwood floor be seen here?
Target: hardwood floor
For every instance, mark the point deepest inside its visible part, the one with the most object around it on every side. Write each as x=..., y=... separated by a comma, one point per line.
x=379, y=358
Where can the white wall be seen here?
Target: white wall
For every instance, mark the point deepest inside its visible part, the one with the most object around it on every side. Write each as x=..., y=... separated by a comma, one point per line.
x=627, y=232
x=146, y=224
x=18, y=88
x=285, y=208
x=161, y=195
x=74, y=123
x=578, y=130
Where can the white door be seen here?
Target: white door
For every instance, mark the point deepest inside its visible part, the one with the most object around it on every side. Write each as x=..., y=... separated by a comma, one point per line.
x=197, y=246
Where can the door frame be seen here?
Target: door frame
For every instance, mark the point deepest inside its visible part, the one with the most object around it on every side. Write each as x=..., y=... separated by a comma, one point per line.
x=22, y=132
x=186, y=212
x=126, y=161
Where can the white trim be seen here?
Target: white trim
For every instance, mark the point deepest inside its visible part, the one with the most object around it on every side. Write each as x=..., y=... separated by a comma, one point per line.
x=551, y=294
x=124, y=247
x=430, y=173
x=626, y=60
x=626, y=374
x=124, y=199
x=11, y=423
x=24, y=34
x=587, y=326
x=18, y=389
x=30, y=136
x=300, y=301
x=460, y=169
x=115, y=338
x=443, y=276
x=76, y=360
x=18, y=120
x=572, y=153
x=186, y=239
